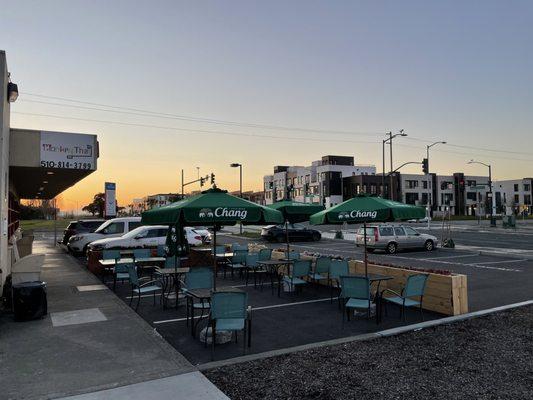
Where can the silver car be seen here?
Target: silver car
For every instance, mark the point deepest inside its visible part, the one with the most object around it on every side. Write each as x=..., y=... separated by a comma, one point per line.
x=392, y=238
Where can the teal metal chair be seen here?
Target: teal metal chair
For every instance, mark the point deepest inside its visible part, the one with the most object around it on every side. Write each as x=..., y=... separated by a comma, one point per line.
x=415, y=286
x=321, y=271
x=239, y=247
x=197, y=278
x=161, y=250
x=293, y=255
x=337, y=269
x=229, y=312
x=222, y=263
x=252, y=267
x=355, y=294
x=300, y=269
x=115, y=255
x=140, y=288
x=265, y=254
x=144, y=253
x=237, y=262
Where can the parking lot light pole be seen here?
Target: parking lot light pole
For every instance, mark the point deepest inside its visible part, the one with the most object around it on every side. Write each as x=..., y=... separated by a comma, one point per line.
x=492, y=219
x=430, y=197
x=235, y=165
x=389, y=141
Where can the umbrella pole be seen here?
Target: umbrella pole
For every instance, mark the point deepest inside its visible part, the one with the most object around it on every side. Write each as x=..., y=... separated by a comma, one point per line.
x=215, y=257
x=287, y=236
x=366, y=254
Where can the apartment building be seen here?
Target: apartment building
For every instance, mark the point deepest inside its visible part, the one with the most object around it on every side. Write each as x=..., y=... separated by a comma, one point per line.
x=137, y=206
x=514, y=195
x=321, y=182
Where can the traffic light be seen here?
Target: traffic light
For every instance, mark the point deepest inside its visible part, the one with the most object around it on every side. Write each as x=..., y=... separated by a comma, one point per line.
x=212, y=178
x=425, y=166
x=271, y=185
x=202, y=181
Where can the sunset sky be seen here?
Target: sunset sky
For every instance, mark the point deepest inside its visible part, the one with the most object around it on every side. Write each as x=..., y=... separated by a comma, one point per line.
x=231, y=76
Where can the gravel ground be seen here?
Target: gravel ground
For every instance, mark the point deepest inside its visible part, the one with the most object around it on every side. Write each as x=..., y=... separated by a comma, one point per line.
x=484, y=358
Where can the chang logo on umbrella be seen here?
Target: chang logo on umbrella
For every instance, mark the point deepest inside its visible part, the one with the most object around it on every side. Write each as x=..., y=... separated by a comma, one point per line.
x=356, y=214
x=205, y=213
x=230, y=213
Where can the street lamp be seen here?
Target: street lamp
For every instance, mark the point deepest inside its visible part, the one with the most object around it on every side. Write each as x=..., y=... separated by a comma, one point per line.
x=235, y=165
x=389, y=140
x=430, y=195
x=492, y=220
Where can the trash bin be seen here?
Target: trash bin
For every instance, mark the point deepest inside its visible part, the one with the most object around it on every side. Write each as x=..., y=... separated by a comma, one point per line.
x=29, y=300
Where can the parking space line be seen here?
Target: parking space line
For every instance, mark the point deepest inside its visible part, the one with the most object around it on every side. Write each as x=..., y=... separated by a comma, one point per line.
x=166, y=321
x=480, y=266
x=500, y=262
x=450, y=257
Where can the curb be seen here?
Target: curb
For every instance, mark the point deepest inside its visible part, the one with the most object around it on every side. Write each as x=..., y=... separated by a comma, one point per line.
x=357, y=338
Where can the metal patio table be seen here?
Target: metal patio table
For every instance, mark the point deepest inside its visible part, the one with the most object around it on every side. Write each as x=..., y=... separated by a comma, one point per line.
x=273, y=266
x=171, y=279
x=373, y=278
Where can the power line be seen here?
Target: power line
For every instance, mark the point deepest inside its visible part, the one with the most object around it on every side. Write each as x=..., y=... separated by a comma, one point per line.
x=463, y=146
x=194, y=119
x=201, y=131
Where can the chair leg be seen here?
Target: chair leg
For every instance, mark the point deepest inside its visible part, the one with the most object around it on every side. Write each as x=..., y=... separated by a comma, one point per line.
x=213, y=340
x=138, y=301
x=131, y=297
x=421, y=313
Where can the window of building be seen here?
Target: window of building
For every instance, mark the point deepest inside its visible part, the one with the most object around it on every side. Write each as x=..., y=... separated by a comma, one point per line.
x=471, y=196
x=527, y=187
x=446, y=198
x=516, y=187
x=424, y=199
x=470, y=183
x=373, y=189
x=516, y=199
x=411, y=198
x=527, y=199
x=425, y=184
x=411, y=184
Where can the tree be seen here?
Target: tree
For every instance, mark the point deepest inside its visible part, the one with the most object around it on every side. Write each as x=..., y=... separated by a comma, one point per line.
x=96, y=206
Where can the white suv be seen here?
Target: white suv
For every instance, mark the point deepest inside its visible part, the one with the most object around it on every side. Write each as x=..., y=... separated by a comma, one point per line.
x=111, y=228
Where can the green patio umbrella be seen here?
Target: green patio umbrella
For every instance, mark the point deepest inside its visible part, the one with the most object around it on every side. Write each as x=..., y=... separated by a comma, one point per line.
x=295, y=211
x=213, y=207
x=366, y=208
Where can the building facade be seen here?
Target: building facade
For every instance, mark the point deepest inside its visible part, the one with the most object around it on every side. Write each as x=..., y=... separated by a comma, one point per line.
x=514, y=196
x=321, y=182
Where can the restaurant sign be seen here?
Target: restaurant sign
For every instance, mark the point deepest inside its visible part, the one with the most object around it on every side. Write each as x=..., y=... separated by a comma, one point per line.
x=68, y=150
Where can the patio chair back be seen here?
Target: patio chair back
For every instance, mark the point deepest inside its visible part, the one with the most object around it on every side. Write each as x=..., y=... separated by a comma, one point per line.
x=220, y=249
x=301, y=268
x=199, y=278
x=142, y=253
x=265, y=254
x=293, y=255
x=239, y=256
x=338, y=268
x=239, y=247
x=172, y=262
x=110, y=254
x=355, y=287
x=161, y=250
x=415, y=285
x=251, y=260
x=131, y=269
x=322, y=265
x=229, y=305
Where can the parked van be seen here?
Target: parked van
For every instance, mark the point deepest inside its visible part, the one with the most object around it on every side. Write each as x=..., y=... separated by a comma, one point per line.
x=111, y=228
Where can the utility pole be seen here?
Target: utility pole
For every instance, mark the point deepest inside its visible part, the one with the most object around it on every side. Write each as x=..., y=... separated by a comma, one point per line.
x=491, y=195
x=430, y=194
x=182, y=184
x=389, y=141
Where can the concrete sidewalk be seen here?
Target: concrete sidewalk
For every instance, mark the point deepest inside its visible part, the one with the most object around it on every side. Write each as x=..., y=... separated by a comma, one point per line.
x=89, y=343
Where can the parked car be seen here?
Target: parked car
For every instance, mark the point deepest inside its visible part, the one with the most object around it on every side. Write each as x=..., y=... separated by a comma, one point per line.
x=204, y=233
x=111, y=228
x=148, y=236
x=424, y=220
x=80, y=226
x=297, y=233
x=392, y=238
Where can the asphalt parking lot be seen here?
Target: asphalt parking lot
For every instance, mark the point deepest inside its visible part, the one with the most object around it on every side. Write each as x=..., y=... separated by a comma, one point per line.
x=498, y=263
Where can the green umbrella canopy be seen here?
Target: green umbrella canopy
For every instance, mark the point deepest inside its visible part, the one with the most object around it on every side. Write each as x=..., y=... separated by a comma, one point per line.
x=213, y=206
x=365, y=208
x=294, y=211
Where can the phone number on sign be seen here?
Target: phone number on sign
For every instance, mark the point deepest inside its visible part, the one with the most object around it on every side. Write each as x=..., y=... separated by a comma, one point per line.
x=66, y=164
